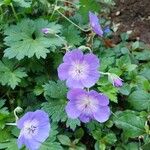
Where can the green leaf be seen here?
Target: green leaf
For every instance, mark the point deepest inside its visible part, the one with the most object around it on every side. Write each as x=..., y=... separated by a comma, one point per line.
x=130, y=122
x=143, y=83
x=23, y=3
x=55, y=89
x=86, y=6
x=56, y=110
x=110, y=138
x=72, y=35
x=10, y=145
x=132, y=146
x=9, y=74
x=5, y=135
x=27, y=39
x=124, y=36
x=144, y=55
x=146, y=72
x=72, y=123
x=110, y=91
x=125, y=89
x=51, y=146
x=139, y=100
x=4, y=113
x=146, y=146
x=51, y=143
x=106, y=62
x=136, y=45
x=64, y=140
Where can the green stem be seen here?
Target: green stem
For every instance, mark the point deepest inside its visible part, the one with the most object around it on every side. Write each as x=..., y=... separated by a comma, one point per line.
x=114, y=114
x=85, y=47
x=71, y=21
x=104, y=73
x=18, y=109
x=54, y=9
x=14, y=12
x=65, y=43
x=11, y=124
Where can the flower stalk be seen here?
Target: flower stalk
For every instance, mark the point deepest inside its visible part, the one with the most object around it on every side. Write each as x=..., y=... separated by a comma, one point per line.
x=71, y=21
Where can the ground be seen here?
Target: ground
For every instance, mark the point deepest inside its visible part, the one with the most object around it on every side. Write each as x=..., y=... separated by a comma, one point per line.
x=132, y=15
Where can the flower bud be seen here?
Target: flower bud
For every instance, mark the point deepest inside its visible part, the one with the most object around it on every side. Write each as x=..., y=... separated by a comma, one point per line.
x=115, y=80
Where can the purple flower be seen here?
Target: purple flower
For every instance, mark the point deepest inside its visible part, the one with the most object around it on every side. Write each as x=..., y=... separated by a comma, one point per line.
x=35, y=129
x=45, y=30
x=115, y=80
x=107, y=30
x=87, y=105
x=79, y=70
x=94, y=22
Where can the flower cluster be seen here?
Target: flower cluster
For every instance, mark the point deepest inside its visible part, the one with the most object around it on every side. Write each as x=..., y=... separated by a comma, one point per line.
x=81, y=71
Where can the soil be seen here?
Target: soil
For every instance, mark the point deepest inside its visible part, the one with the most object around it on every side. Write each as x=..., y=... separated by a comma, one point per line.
x=132, y=15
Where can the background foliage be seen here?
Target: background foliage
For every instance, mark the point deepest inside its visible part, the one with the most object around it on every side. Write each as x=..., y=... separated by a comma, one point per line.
x=28, y=75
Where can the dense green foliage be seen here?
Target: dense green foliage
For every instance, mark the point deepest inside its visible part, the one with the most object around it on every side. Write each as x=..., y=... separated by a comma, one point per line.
x=28, y=75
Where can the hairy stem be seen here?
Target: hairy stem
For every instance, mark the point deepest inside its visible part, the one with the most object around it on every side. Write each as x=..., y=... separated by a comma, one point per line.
x=14, y=12
x=72, y=22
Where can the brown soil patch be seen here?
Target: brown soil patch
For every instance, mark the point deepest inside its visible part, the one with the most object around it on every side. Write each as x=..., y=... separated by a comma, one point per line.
x=133, y=15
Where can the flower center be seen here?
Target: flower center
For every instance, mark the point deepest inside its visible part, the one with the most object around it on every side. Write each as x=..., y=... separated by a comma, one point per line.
x=87, y=104
x=30, y=129
x=78, y=70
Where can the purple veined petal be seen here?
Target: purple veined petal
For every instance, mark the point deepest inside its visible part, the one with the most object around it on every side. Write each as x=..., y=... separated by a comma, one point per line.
x=98, y=30
x=103, y=99
x=73, y=94
x=32, y=144
x=102, y=114
x=63, y=70
x=45, y=30
x=43, y=134
x=92, y=60
x=92, y=78
x=35, y=142
x=42, y=117
x=73, y=55
x=26, y=117
x=84, y=118
x=20, y=141
x=71, y=83
x=94, y=22
x=93, y=19
x=118, y=82
x=72, y=111
x=107, y=30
